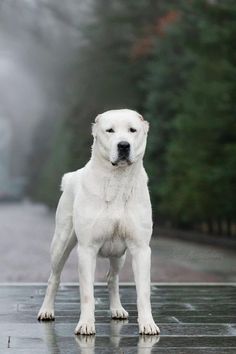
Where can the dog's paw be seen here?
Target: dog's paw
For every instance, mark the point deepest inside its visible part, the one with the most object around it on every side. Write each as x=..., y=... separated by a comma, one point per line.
x=46, y=314
x=148, y=327
x=85, y=327
x=119, y=313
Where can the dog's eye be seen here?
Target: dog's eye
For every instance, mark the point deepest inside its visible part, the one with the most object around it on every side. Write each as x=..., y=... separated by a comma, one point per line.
x=132, y=130
x=110, y=130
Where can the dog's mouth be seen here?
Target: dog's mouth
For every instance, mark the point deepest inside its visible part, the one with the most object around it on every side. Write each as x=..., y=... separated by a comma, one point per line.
x=122, y=161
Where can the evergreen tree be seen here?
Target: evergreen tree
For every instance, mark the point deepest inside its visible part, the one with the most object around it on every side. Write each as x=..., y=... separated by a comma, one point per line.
x=201, y=174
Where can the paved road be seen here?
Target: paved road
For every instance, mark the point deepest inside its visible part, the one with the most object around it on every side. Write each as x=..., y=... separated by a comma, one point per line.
x=192, y=320
x=26, y=230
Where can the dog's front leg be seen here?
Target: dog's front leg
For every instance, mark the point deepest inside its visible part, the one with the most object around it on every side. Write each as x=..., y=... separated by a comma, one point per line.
x=86, y=262
x=141, y=262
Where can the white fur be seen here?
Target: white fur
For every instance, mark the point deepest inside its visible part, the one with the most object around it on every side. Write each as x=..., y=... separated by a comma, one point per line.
x=106, y=209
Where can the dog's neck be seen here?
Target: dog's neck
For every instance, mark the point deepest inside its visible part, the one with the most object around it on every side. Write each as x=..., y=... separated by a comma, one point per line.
x=115, y=181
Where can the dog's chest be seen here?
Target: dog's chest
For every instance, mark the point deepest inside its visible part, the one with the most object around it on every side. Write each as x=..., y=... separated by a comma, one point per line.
x=115, y=234
x=115, y=247
x=117, y=190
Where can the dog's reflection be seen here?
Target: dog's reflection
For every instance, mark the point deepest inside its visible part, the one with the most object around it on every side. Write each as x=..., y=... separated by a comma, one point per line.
x=115, y=328
x=87, y=344
x=50, y=337
x=144, y=342
x=114, y=339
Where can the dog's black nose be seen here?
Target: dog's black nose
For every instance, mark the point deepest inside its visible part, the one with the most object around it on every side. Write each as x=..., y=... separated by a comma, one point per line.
x=124, y=146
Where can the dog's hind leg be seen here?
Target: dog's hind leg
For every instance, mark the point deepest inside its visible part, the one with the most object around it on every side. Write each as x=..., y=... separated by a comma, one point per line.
x=117, y=310
x=63, y=242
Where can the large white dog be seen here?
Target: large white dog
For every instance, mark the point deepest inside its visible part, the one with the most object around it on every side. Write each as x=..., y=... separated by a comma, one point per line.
x=106, y=208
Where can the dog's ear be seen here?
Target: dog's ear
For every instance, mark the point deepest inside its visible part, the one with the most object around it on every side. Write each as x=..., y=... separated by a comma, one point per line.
x=146, y=126
x=94, y=126
x=145, y=123
x=97, y=118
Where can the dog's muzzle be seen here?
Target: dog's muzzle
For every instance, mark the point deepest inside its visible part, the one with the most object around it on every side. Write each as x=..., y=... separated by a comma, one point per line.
x=123, y=148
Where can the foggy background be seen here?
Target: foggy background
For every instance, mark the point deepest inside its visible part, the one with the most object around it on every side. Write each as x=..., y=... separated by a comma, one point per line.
x=62, y=63
x=38, y=42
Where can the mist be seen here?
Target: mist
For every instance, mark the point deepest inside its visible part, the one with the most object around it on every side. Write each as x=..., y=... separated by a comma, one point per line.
x=38, y=41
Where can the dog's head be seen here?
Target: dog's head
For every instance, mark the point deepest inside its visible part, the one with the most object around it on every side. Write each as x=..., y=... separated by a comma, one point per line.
x=120, y=136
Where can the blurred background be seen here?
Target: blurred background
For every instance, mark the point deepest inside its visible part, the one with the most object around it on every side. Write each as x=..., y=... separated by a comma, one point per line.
x=62, y=63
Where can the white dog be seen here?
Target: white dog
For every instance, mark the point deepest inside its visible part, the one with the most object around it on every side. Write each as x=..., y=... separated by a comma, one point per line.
x=106, y=208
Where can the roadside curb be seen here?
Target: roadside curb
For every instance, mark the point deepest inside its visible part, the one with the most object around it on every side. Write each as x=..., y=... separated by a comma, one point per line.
x=197, y=237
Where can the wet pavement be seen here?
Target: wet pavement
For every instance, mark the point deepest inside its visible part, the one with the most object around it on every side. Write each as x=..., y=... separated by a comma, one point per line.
x=26, y=233
x=193, y=319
